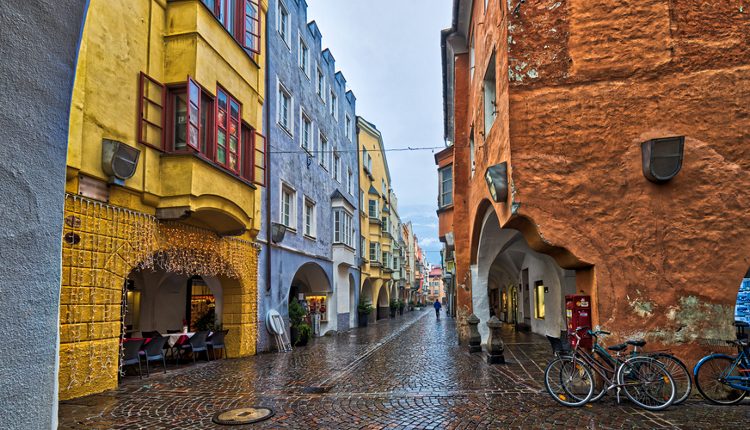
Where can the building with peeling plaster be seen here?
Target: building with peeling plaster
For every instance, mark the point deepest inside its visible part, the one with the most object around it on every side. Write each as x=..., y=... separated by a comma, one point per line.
x=561, y=102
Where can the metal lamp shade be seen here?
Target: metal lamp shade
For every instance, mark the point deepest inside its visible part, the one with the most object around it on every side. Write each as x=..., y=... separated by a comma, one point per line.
x=662, y=158
x=497, y=181
x=278, y=231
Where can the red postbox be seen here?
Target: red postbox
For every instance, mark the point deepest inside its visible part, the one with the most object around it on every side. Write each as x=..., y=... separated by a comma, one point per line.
x=578, y=313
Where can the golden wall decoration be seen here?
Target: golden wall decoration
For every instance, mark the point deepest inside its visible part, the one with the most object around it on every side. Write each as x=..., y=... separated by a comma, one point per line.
x=102, y=244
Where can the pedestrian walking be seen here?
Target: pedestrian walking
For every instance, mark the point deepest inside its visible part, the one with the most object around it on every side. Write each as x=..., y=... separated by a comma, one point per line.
x=437, y=308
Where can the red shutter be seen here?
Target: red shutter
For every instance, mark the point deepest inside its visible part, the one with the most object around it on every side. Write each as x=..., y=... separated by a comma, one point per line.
x=259, y=174
x=193, y=114
x=251, y=25
x=152, y=97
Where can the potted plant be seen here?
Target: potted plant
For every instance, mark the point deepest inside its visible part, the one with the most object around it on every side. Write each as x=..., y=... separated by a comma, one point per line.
x=401, y=306
x=393, y=307
x=299, y=331
x=364, y=309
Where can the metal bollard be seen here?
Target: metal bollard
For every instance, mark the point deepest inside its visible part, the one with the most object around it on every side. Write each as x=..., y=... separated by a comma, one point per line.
x=475, y=340
x=495, y=345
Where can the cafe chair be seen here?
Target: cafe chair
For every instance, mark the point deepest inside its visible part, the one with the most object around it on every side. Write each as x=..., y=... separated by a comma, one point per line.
x=216, y=341
x=154, y=351
x=194, y=345
x=131, y=349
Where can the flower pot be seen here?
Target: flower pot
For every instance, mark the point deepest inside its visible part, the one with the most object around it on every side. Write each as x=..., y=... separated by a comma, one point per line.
x=362, y=318
x=393, y=312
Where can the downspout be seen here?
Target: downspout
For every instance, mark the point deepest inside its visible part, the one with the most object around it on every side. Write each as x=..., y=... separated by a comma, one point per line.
x=267, y=126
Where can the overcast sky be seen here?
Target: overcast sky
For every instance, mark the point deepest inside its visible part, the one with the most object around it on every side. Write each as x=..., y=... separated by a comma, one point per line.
x=389, y=52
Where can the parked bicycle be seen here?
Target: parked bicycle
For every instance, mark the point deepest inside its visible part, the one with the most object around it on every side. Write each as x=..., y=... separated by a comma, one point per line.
x=570, y=378
x=724, y=379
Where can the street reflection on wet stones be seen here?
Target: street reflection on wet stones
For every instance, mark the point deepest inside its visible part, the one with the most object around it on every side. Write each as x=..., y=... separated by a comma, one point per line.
x=406, y=373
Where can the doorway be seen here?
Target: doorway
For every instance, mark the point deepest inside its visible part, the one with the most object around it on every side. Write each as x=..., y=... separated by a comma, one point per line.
x=526, y=298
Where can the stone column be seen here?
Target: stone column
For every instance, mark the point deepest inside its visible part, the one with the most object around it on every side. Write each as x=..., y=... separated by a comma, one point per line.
x=495, y=346
x=475, y=340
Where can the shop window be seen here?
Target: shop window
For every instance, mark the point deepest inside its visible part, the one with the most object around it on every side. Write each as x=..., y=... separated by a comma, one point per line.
x=539, y=300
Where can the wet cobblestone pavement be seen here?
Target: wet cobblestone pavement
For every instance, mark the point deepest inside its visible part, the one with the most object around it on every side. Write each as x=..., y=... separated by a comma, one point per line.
x=406, y=373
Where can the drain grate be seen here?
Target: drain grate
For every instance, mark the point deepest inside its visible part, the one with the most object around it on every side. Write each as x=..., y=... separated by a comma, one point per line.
x=233, y=417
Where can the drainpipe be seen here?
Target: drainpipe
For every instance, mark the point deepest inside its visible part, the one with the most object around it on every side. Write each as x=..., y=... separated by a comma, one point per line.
x=267, y=126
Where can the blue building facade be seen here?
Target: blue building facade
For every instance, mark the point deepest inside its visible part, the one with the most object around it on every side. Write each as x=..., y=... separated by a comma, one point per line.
x=312, y=190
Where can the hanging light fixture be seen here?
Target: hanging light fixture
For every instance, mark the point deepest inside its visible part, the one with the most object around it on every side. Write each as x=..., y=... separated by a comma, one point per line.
x=278, y=231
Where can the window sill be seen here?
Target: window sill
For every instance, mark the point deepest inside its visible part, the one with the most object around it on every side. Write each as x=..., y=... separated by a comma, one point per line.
x=311, y=238
x=343, y=245
x=286, y=130
x=444, y=209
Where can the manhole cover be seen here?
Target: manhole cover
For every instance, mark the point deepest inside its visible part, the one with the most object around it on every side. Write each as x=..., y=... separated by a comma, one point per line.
x=315, y=390
x=239, y=416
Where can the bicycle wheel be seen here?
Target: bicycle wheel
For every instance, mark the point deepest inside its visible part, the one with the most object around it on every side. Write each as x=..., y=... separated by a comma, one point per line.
x=646, y=383
x=569, y=381
x=680, y=374
x=709, y=379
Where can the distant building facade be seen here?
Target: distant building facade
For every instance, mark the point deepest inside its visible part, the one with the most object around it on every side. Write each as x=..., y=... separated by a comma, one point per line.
x=313, y=187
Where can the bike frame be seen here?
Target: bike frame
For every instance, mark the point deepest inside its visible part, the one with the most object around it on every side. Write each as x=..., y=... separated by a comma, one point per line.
x=740, y=360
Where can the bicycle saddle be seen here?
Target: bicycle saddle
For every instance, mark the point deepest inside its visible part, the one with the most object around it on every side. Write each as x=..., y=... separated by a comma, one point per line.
x=619, y=347
x=639, y=343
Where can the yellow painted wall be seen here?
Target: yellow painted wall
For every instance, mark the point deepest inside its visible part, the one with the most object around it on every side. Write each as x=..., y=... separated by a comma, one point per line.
x=168, y=41
x=371, y=140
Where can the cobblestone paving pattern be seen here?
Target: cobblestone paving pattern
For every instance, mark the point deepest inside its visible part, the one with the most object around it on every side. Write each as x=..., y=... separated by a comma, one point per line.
x=405, y=373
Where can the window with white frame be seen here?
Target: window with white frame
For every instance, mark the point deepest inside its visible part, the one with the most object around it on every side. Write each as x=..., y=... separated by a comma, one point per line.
x=334, y=105
x=472, y=58
x=343, y=227
x=336, y=166
x=365, y=157
x=373, y=208
x=285, y=109
x=321, y=85
x=309, y=213
x=304, y=57
x=325, y=151
x=283, y=24
x=446, y=186
x=305, y=127
x=383, y=187
x=288, y=210
x=348, y=125
x=375, y=254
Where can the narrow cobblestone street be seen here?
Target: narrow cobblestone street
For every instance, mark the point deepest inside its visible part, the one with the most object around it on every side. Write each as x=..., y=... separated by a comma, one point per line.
x=402, y=373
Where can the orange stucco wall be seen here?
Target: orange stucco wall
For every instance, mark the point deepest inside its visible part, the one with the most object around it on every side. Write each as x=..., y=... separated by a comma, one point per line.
x=580, y=85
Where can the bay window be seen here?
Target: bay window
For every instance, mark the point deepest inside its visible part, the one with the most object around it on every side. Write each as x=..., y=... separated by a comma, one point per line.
x=445, y=196
x=373, y=209
x=241, y=18
x=343, y=228
x=227, y=131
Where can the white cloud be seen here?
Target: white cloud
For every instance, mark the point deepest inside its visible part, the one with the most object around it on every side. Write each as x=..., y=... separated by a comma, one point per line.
x=428, y=241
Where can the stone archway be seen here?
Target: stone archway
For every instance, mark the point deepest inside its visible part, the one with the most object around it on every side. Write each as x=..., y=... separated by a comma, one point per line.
x=312, y=284
x=383, y=302
x=504, y=257
x=102, y=245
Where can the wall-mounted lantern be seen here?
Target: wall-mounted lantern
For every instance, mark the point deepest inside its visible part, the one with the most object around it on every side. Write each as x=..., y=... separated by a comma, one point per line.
x=119, y=160
x=662, y=158
x=497, y=181
x=278, y=231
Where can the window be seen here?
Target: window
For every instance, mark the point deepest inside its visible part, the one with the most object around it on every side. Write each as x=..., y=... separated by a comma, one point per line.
x=336, y=166
x=241, y=18
x=472, y=58
x=348, y=125
x=343, y=228
x=375, y=253
x=321, y=85
x=383, y=187
x=368, y=160
x=334, y=105
x=490, y=104
x=539, y=300
x=283, y=24
x=362, y=243
x=386, y=259
x=309, y=218
x=325, y=153
x=288, y=207
x=305, y=133
x=385, y=226
x=304, y=57
x=349, y=182
x=472, y=159
x=373, y=209
x=227, y=131
x=446, y=186
x=285, y=109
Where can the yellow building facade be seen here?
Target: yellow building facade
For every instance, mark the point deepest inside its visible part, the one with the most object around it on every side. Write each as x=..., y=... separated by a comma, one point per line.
x=375, y=217
x=166, y=155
